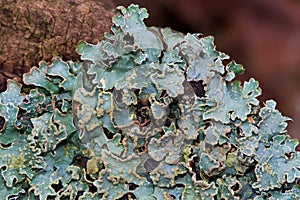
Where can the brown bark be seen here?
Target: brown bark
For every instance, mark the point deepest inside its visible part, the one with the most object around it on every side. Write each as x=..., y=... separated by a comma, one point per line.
x=32, y=30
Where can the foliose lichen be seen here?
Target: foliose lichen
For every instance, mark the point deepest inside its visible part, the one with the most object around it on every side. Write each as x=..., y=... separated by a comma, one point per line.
x=149, y=113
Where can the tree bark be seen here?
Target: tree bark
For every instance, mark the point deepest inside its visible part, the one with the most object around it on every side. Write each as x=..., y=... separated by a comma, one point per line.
x=34, y=30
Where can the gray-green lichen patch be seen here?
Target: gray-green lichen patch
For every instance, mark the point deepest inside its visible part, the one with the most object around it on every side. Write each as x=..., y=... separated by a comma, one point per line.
x=149, y=113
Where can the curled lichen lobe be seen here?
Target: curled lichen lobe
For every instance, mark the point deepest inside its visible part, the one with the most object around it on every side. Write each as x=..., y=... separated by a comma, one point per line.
x=149, y=113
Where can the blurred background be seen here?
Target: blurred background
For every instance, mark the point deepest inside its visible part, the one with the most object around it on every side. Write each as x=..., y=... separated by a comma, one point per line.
x=262, y=35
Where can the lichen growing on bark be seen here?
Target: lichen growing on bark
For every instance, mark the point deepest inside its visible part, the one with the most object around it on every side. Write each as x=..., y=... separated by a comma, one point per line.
x=129, y=122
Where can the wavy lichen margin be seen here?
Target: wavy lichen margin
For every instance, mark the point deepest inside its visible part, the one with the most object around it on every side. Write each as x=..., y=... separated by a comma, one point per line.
x=149, y=113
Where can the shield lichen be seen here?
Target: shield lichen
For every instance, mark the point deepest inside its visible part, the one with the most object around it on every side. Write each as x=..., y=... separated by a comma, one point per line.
x=148, y=113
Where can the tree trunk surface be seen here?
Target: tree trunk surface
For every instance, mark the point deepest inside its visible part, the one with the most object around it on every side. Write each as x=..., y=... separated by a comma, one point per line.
x=32, y=31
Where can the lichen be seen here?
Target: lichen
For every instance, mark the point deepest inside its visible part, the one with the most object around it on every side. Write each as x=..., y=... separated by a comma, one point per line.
x=148, y=113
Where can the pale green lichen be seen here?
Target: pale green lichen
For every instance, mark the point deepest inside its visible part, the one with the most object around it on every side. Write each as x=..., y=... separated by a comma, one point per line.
x=149, y=113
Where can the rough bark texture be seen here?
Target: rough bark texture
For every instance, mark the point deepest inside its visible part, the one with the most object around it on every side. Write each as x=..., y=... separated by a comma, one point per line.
x=31, y=31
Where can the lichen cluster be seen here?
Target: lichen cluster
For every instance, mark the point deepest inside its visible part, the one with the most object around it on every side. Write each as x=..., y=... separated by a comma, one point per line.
x=148, y=113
